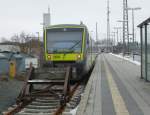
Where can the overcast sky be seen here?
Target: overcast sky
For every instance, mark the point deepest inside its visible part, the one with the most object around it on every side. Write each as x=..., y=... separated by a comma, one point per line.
x=26, y=15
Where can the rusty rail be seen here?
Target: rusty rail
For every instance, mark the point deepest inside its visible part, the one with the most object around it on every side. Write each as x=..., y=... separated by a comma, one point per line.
x=21, y=103
x=27, y=95
x=68, y=92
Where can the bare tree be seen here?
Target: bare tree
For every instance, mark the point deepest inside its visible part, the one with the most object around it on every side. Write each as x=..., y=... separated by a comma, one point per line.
x=3, y=40
x=22, y=37
x=15, y=38
x=28, y=43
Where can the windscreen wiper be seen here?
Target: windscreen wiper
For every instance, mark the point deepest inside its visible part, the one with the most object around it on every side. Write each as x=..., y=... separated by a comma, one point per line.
x=75, y=45
x=55, y=51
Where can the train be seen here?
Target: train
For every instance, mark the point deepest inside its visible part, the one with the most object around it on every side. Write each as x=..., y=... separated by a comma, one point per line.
x=69, y=45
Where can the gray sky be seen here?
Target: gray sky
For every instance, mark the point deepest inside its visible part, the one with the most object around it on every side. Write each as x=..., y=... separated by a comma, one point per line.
x=26, y=15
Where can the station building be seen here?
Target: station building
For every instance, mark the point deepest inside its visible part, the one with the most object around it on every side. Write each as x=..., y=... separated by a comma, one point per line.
x=145, y=49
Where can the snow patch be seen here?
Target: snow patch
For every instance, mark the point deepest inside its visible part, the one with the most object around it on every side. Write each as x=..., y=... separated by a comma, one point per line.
x=73, y=112
x=127, y=58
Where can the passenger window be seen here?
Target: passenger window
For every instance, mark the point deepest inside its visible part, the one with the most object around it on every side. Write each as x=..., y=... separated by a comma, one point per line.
x=88, y=40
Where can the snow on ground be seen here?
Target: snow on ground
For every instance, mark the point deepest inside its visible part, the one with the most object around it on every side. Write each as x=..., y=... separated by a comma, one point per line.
x=127, y=58
x=73, y=112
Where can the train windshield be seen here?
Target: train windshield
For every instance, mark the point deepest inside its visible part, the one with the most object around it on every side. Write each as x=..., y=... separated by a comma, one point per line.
x=66, y=40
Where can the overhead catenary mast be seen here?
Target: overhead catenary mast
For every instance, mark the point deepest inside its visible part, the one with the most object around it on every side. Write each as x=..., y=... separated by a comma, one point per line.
x=96, y=33
x=96, y=37
x=108, y=25
x=125, y=26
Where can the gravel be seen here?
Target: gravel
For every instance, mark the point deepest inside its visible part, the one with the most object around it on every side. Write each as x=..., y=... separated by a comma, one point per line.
x=9, y=90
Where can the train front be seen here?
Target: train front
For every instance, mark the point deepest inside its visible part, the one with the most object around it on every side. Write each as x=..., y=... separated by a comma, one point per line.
x=64, y=46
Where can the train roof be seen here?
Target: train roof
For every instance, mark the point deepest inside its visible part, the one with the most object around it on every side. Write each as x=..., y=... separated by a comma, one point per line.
x=67, y=25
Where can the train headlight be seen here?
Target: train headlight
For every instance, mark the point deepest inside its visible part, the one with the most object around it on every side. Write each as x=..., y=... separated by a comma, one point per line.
x=49, y=57
x=78, y=56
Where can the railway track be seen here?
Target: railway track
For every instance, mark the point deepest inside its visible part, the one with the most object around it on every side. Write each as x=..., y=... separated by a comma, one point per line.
x=56, y=97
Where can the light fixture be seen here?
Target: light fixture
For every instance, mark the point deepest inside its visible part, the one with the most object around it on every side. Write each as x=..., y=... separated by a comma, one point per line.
x=78, y=56
x=49, y=57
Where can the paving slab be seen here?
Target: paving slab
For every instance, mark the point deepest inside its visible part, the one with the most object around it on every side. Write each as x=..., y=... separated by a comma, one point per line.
x=115, y=88
x=88, y=104
x=132, y=88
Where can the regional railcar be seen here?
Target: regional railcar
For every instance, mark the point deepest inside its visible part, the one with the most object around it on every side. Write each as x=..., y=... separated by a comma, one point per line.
x=69, y=44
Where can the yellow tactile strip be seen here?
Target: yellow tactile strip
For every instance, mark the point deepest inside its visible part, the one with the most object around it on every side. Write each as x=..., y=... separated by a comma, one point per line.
x=119, y=104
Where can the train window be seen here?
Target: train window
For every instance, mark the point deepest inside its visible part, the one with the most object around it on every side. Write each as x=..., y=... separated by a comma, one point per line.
x=87, y=40
x=69, y=40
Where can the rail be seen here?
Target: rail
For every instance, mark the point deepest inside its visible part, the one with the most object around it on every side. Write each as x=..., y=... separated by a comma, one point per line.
x=28, y=95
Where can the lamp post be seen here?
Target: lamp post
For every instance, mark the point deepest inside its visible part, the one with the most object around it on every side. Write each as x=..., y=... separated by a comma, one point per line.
x=113, y=40
x=117, y=31
x=114, y=36
x=117, y=28
x=38, y=33
x=124, y=45
x=133, y=33
x=133, y=9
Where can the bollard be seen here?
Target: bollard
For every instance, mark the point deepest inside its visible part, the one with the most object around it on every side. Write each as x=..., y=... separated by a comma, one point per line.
x=12, y=69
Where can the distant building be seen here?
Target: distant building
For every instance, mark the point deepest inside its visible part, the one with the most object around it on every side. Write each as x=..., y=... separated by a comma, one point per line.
x=9, y=48
x=21, y=61
x=12, y=54
x=47, y=18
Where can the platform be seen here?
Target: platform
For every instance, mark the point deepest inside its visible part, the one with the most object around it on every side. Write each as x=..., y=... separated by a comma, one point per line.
x=115, y=88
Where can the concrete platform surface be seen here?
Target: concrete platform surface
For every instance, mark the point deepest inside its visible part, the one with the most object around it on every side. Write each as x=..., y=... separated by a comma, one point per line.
x=115, y=88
